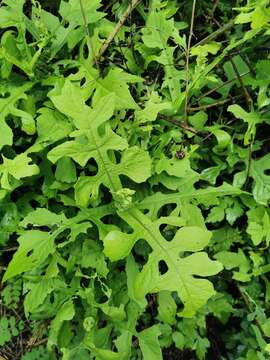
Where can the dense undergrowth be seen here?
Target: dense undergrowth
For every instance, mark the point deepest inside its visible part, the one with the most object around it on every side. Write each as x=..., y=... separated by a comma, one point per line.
x=134, y=180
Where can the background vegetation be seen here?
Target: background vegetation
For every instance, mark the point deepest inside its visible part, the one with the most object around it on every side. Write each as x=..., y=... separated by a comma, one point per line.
x=134, y=179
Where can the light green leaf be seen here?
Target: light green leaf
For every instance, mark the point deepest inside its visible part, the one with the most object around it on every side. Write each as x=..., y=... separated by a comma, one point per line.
x=65, y=170
x=135, y=164
x=173, y=166
x=158, y=30
x=232, y=260
x=118, y=245
x=166, y=307
x=223, y=138
x=51, y=127
x=34, y=248
x=251, y=118
x=149, y=344
x=216, y=214
x=65, y=313
x=261, y=189
x=198, y=120
x=19, y=167
x=8, y=106
x=71, y=11
x=116, y=82
x=258, y=225
x=152, y=107
x=179, y=277
x=92, y=257
x=39, y=291
x=42, y=216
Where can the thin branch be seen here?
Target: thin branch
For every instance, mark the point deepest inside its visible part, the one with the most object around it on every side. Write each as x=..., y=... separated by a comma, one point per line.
x=118, y=26
x=250, y=106
x=214, y=8
x=40, y=342
x=9, y=249
x=246, y=300
x=111, y=3
x=187, y=59
x=88, y=37
x=248, y=98
x=221, y=85
x=216, y=33
x=218, y=103
x=179, y=124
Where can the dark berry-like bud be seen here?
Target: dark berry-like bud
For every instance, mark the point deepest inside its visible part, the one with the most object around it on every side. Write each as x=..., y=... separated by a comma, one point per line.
x=180, y=154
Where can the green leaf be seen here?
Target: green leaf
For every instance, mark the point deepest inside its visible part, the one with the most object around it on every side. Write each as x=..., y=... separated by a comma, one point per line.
x=202, y=196
x=216, y=214
x=42, y=216
x=8, y=106
x=158, y=29
x=5, y=334
x=198, y=120
x=261, y=188
x=179, y=277
x=232, y=260
x=135, y=163
x=34, y=248
x=70, y=11
x=251, y=118
x=152, y=107
x=116, y=82
x=93, y=257
x=65, y=313
x=258, y=225
x=166, y=307
x=65, y=170
x=19, y=167
x=51, y=127
x=223, y=138
x=149, y=344
x=39, y=291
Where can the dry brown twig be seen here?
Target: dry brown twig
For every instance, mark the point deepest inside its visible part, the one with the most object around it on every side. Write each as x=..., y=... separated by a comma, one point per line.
x=116, y=29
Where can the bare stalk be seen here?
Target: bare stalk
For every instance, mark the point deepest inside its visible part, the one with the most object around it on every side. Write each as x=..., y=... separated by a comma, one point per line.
x=218, y=103
x=187, y=59
x=88, y=37
x=216, y=33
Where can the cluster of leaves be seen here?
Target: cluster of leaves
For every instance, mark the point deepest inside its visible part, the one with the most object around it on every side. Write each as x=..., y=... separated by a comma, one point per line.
x=134, y=185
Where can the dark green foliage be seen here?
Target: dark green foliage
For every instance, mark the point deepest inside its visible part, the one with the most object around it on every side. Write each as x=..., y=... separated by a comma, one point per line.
x=134, y=183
